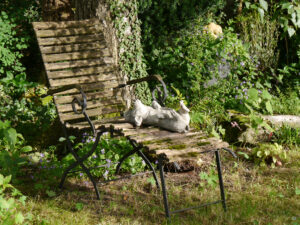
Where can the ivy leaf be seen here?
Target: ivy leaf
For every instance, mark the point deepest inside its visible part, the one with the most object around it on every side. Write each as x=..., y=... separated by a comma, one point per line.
x=263, y=4
x=291, y=31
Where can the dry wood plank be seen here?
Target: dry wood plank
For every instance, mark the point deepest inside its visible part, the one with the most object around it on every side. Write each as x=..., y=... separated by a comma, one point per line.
x=85, y=80
x=135, y=132
x=78, y=63
x=76, y=55
x=90, y=96
x=90, y=104
x=162, y=134
x=68, y=31
x=91, y=113
x=81, y=71
x=72, y=47
x=100, y=122
x=70, y=39
x=65, y=24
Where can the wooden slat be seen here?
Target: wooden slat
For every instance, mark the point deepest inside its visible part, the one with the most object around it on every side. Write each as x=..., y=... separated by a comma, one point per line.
x=68, y=32
x=72, y=47
x=80, y=71
x=78, y=63
x=65, y=24
x=101, y=122
x=91, y=113
x=90, y=104
x=76, y=55
x=90, y=96
x=85, y=80
x=70, y=39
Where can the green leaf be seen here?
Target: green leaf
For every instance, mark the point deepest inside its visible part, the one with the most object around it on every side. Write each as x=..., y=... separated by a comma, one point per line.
x=11, y=137
x=46, y=100
x=19, y=219
x=61, y=139
x=253, y=94
x=261, y=13
x=79, y=206
x=297, y=191
x=26, y=149
x=266, y=95
x=247, y=4
x=246, y=156
x=263, y=4
x=291, y=31
x=50, y=193
x=269, y=107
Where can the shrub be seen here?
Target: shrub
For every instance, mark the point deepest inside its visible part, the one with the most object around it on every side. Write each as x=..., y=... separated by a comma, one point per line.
x=11, y=201
x=268, y=154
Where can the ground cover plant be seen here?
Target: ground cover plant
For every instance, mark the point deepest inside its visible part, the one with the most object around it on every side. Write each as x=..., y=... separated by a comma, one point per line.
x=250, y=70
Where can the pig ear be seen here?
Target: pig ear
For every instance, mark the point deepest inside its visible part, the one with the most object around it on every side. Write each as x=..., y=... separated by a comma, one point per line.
x=182, y=105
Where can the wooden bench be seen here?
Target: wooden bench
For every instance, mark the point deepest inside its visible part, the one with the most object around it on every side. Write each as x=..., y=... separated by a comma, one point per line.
x=88, y=93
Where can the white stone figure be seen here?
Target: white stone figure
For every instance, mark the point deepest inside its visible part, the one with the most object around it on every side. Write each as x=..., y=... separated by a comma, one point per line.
x=159, y=116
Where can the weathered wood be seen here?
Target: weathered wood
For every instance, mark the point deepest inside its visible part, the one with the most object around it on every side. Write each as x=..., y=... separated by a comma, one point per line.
x=72, y=47
x=81, y=71
x=76, y=55
x=107, y=122
x=86, y=80
x=70, y=39
x=90, y=104
x=91, y=113
x=78, y=63
x=65, y=24
x=68, y=31
x=90, y=96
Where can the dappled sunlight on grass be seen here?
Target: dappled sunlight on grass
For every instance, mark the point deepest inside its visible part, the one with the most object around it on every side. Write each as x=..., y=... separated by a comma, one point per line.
x=254, y=196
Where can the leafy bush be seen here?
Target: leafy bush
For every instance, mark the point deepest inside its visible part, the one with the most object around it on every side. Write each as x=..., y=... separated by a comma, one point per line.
x=268, y=154
x=11, y=201
x=107, y=154
x=11, y=150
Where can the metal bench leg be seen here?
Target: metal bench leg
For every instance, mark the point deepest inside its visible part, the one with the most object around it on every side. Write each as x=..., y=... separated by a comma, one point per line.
x=150, y=167
x=125, y=157
x=163, y=185
x=218, y=161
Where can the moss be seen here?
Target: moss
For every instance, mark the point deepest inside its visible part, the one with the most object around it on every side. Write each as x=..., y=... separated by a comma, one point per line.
x=203, y=143
x=168, y=140
x=177, y=147
x=192, y=154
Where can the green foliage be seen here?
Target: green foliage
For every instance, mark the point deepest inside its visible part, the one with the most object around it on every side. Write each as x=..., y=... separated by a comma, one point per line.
x=287, y=102
x=286, y=135
x=270, y=154
x=11, y=150
x=127, y=26
x=211, y=178
x=107, y=155
x=11, y=201
x=261, y=36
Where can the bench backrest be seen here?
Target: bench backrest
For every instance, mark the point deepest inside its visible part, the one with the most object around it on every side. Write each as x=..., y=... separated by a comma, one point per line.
x=75, y=52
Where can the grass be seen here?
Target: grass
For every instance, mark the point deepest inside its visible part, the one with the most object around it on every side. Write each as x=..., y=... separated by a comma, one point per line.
x=254, y=196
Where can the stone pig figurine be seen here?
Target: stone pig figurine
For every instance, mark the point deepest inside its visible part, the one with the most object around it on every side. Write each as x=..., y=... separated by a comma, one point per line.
x=159, y=116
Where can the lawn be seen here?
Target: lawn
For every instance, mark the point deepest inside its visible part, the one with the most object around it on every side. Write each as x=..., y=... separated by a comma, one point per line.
x=254, y=196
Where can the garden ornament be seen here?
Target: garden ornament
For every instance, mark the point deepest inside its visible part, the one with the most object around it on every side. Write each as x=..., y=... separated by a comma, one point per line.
x=156, y=115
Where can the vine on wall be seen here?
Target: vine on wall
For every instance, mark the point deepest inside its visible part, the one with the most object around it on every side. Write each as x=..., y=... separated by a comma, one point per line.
x=127, y=26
